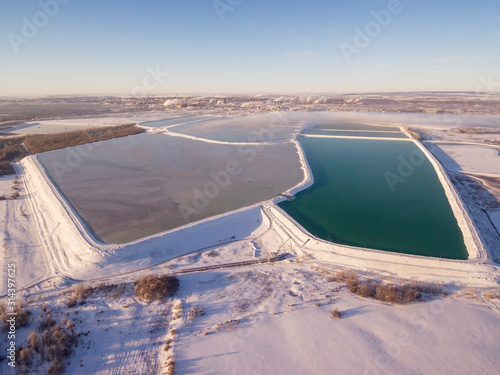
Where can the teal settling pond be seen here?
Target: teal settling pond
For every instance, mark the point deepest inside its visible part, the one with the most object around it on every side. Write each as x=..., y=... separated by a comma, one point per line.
x=376, y=194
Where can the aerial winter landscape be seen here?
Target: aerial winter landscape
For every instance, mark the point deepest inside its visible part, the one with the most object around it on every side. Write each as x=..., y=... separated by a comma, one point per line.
x=236, y=187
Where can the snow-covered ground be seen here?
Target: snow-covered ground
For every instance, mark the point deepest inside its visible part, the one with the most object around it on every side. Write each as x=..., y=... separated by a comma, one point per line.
x=275, y=319
x=67, y=125
x=482, y=159
x=61, y=126
x=278, y=321
x=259, y=319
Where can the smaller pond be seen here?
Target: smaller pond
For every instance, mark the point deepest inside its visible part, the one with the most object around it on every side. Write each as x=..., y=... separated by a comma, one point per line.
x=341, y=125
x=345, y=133
x=376, y=194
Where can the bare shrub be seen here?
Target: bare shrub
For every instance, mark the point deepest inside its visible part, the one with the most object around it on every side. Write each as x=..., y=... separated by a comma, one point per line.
x=23, y=314
x=336, y=314
x=170, y=366
x=177, y=309
x=72, y=302
x=401, y=294
x=156, y=287
x=352, y=282
x=25, y=357
x=56, y=368
x=80, y=294
x=408, y=294
x=53, y=343
x=58, y=344
x=387, y=293
x=365, y=290
x=492, y=294
x=22, y=318
x=46, y=322
x=34, y=341
x=167, y=345
x=193, y=313
x=118, y=291
x=6, y=168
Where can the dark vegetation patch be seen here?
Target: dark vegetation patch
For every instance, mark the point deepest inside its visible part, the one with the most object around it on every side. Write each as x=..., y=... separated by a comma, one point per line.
x=49, y=142
x=156, y=287
x=392, y=293
x=13, y=149
x=22, y=317
x=82, y=292
x=53, y=342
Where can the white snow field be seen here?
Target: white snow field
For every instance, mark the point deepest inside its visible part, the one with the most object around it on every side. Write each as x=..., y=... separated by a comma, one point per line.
x=258, y=318
x=279, y=321
x=469, y=158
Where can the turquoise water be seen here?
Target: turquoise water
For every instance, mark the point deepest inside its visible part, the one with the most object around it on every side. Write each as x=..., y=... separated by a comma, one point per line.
x=377, y=194
x=344, y=133
x=355, y=126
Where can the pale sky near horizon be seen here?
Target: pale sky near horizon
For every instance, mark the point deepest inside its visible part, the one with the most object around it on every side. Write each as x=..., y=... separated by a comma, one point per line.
x=246, y=46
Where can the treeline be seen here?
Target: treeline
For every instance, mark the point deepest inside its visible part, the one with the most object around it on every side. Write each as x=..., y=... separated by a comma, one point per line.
x=49, y=142
x=12, y=149
x=476, y=131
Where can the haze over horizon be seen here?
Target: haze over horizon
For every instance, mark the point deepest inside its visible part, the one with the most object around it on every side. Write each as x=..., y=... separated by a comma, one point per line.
x=56, y=47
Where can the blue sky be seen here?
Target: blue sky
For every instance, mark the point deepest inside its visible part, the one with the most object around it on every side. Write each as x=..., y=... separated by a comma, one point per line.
x=260, y=46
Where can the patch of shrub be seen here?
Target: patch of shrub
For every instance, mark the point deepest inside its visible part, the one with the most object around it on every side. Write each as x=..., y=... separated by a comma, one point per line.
x=156, y=287
x=55, y=341
x=170, y=366
x=365, y=290
x=336, y=314
x=6, y=168
x=193, y=313
x=402, y=294
x=22, y=317
x=52, y=343
x=80, y=294
x=10, y=150
x=352, y=282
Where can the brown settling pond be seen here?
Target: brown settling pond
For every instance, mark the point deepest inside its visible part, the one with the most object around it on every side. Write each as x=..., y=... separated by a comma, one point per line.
x=129, y=188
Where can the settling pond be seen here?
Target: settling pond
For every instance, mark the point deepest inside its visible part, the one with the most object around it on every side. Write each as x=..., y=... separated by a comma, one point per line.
x=363, y=197
x=128, y=188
